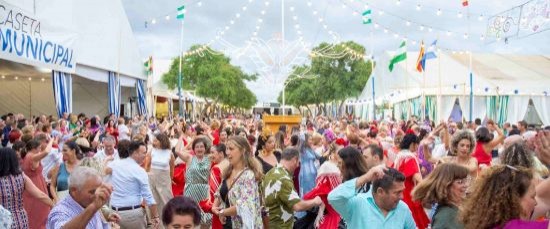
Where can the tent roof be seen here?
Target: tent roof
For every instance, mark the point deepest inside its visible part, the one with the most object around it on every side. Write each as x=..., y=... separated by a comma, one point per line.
x=105, y=40
x=449, y=74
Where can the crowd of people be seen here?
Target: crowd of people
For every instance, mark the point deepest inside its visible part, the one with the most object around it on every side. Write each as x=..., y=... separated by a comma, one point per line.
x=77, y=171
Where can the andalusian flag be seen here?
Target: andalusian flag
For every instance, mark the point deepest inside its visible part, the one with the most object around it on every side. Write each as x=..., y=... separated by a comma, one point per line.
x=366, y=17
x=400, y=55
x=148, y=65
x=180, y=12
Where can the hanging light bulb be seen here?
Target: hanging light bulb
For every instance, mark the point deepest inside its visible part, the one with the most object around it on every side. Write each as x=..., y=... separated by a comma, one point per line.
x=267, y=3
x=414, y=42
x=315, y=12
x=343, y=6
x=239, y=15
x=408, y=23
x=480, y=17
x=418, y=7
x=232, y=22
x=244, y=8
x=398, y=2
x=482, y=37
x=295, y=18
x=376, y=25
x=381, y=12
x=320, y=19
x=459, y=15
x=30, y=78
x=199, y=4
x=466, y=36
x=43, y=79
x=3, y=76
x=16, y=78
x=385, y=30
x=366, y=6
x=438, y=12
x=421, y=28
x=449, y=33
x=395, y=35
x=430, y=29
x=308, y=3
x=167, y=17
x=154, y=21
x=292, y=8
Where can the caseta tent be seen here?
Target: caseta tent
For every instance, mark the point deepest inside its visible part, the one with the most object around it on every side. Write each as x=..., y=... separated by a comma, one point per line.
x=503, y=86
x=85, y=39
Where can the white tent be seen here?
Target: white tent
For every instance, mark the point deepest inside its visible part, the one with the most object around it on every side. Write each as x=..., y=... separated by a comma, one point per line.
x=102, y=41
x=447, y=78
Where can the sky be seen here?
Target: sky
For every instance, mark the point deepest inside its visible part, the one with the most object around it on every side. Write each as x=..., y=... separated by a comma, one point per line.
x=250, y=31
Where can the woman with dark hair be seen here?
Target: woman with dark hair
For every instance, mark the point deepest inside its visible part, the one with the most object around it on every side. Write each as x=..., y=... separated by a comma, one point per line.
x=93, y=126
x=219, y=164
x=181, y=212
x=266, y=154
x=486, y=143
x=111, y=129
x=32, y=167
x=161, y=169
x=407, y=163
x=196, y=175
x=13, y=183
x=19, y=147
x=59, y=184
x=352, y=165
x=445, y=188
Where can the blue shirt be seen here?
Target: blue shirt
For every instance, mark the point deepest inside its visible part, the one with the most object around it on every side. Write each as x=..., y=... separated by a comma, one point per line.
x=68, y=209
x=130, y=184
x=360, y=211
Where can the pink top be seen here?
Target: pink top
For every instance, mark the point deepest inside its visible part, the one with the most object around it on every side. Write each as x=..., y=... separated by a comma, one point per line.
x=518, y=223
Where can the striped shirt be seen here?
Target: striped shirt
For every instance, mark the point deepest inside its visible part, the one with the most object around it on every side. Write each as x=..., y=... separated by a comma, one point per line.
x=68, y=209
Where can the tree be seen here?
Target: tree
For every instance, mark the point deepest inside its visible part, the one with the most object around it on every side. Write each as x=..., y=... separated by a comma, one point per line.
x=213, y=77
x=339, y=74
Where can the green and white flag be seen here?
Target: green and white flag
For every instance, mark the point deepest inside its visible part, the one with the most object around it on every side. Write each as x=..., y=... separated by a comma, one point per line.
x=180, y=12
x=400, y=55
x=366, y=17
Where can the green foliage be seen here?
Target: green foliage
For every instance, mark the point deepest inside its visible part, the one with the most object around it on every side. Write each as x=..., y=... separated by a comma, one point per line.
x=213, y=77
x=333, y=75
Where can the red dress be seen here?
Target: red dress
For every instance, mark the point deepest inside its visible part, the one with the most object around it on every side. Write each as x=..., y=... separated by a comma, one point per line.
x=37, y=211
x=214, y=182
x=407, y=164
x=483, y=158
x=178, y=181
x=325, y=183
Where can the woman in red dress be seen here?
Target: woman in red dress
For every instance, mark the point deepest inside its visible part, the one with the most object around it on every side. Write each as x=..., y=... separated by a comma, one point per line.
x=407, y=163
x=328, y=177
x=219, y=163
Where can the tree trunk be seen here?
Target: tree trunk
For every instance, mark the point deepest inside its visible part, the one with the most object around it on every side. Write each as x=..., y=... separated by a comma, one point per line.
x=300, y=110
x=311, y=113
x=340, y=108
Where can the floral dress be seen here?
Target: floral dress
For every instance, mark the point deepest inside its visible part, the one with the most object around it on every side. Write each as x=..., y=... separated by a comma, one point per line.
x=246, y=197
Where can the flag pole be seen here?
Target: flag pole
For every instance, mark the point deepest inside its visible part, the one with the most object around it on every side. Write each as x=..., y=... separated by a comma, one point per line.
x=470, y=66
x=407, y=86
x=180, y=75
x=372, y=74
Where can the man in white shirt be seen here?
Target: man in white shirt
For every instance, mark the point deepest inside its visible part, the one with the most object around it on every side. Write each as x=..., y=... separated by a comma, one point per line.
x=123, y=131
x=108, y=153
x=131, y=187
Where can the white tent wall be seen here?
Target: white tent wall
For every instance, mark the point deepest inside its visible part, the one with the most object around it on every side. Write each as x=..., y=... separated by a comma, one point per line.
x=35, y=97
x=519, y=76
x=517, y=107
x=542, y=104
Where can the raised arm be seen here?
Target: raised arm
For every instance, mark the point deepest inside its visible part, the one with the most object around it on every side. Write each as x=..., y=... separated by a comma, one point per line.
x=36, y=158
x=496, y=141
x=184, y=155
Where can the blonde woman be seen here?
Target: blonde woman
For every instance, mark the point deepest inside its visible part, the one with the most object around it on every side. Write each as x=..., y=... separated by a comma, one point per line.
x=238, y=199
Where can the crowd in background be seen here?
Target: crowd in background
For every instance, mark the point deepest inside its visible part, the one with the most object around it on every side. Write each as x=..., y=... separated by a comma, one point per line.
x=78, y=171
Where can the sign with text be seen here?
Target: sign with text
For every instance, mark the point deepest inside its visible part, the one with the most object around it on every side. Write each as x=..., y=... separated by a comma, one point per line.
x=28, y=40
